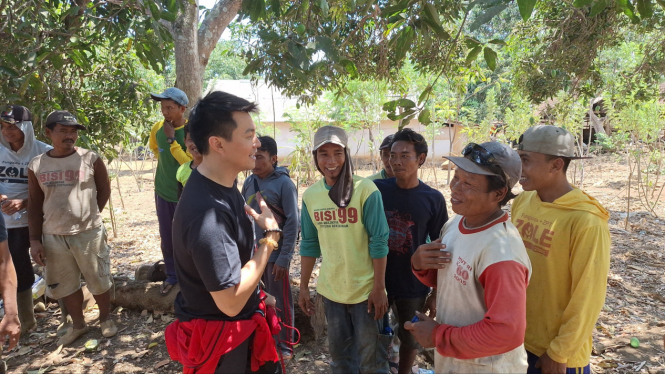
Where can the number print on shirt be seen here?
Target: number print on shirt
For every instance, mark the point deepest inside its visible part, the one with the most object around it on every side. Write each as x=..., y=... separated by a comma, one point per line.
x=331, y=217
x=60, y=177
x=536, y=234
x=463, y=270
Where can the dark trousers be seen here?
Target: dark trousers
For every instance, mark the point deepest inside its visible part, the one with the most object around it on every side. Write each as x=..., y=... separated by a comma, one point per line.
x=18, y=240
x=281, y=290
x=239, y=361
x=532, y=366
x=165, y=213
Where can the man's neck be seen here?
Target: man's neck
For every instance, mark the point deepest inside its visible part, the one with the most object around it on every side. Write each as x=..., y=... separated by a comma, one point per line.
x=217, y=171
x=474, y=222
x=179, y=122
x=330, y=182
x=196, y=163
x=263, y=175
x=408, y=183
x=16, y=146
x=57, y=152
x=554, y=190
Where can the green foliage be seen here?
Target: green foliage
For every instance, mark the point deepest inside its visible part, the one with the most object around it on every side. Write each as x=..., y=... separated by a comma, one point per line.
x=85, y=57
x=225, y=63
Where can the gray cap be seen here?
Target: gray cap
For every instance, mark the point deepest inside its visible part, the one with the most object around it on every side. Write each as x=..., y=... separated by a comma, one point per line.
x=549, y=140
x=172, y=93
x=330, y=134
x=505, y=157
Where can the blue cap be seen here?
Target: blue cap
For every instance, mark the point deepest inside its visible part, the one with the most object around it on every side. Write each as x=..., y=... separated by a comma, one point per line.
x=172, y=93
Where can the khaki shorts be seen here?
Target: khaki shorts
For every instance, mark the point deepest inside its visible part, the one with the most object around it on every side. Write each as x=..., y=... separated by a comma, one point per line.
x=69, y=256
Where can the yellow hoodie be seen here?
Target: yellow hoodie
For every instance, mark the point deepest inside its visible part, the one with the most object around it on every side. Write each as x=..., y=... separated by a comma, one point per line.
x=568, y=242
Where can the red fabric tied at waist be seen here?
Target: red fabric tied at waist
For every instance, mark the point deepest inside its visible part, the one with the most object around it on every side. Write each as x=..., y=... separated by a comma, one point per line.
x=199, y=344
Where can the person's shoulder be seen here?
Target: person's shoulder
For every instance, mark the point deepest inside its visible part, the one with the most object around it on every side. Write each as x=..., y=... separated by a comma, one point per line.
x=382, y=183
x=363, y=183
x=375, y=177
x=523, y=197
x=316, y=187
x=34, y=162
x=41, y=147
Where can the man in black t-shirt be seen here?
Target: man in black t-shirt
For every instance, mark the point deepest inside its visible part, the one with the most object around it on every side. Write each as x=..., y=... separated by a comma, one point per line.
x=215, y=259
x=415, y=212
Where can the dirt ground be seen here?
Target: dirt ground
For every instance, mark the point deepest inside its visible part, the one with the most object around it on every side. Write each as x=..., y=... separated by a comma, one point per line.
x=635, y=305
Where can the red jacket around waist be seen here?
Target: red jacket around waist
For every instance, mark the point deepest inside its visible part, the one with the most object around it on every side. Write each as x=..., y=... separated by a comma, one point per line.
x=199, y=344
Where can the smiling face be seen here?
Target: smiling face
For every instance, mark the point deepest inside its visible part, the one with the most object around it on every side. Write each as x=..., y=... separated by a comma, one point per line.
x=404, y=161
x=63, y=138
x=469, y=195
x=171, y=110
x=12, y=133
x=191, y=147
x=536, y=170
x=240, y=151
x=330, y=160
x=385, y=158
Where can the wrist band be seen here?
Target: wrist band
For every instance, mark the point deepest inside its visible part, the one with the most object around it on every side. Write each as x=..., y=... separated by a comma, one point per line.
x=269, y=241
x=278, y=230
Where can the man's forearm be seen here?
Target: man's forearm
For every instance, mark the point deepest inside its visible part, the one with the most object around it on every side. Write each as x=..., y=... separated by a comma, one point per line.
x=380, y=272
x=8, y=281
x=231, y=300
x=306, y=268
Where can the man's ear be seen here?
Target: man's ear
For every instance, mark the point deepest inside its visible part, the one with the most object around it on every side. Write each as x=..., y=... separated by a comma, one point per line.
x=557, y=165
x=421, y=159
x=273, y=159
x=498, y=195
x=215, y=144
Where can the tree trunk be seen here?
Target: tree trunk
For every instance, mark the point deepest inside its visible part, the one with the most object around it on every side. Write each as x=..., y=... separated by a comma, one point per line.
x=595, y=121
x=185, y=36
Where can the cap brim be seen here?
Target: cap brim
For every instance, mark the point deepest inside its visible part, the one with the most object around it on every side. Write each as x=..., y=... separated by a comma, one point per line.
x=157, y=97
x=469, y=166
x=326, y=142
x=73, y=124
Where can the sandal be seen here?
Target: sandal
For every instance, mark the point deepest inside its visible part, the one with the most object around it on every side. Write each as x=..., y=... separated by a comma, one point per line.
x=165, y=288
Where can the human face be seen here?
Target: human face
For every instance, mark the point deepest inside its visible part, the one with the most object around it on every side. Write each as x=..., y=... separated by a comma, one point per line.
x=63, y=138
x=264, y=163
x=385, y=158
x=191, y=147
x=171, y=110
x=536, y=171
x=404, y=162
x=12, y=133
x=469, y=196
x=240, y=151
x=330, y=160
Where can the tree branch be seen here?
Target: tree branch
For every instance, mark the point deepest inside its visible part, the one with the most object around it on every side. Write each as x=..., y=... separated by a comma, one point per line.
x=212, y=27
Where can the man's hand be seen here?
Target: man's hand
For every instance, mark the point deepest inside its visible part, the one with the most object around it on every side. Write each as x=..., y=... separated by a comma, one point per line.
x=37, y=252
x=430, y=304
x=549, y=366
x=169, y=130
x=280, y=272
x=430, y=256
x=378, y=300
x=422, y=330
x=305, y=302
x=265, y=220
x=10, y=325
x=10, y=207
x=270, y=300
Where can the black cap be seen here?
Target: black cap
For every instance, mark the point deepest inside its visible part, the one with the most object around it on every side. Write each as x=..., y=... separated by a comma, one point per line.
x=386, y=142
x=16, y=113
x=64, y=118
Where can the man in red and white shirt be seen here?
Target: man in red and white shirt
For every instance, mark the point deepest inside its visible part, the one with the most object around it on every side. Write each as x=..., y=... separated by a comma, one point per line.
x=480, y=269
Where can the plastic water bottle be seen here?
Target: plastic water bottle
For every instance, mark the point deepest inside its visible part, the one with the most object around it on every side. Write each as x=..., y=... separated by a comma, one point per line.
x=17, y=216
x=425, y=371
x=38, y=287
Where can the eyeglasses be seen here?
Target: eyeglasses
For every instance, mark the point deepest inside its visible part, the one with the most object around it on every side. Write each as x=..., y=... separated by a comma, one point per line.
x=483, y=157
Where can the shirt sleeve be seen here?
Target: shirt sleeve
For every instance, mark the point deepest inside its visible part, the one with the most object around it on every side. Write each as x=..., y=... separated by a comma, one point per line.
x=289, y=195
x=179, y=153
x=152, y=140
x=309, y=243
x=35, y=207
x=590, y=264
x=102, y=183
x=426, y=277
x=503, y=326
x=214, y=251
x=376, y=225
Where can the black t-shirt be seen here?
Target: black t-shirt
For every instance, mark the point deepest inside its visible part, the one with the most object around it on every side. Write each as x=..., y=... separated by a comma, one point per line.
x=413, y=215
x=213, y=238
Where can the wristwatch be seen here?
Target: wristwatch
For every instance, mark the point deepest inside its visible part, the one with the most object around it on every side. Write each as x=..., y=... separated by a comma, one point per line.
x=170, y=140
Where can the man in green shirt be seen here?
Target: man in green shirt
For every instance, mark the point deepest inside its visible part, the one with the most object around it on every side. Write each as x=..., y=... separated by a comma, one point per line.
x=167, y=141
x=384, y=149
x=342, y=221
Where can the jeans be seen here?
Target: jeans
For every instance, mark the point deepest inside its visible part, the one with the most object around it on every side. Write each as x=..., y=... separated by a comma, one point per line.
x=356, y=341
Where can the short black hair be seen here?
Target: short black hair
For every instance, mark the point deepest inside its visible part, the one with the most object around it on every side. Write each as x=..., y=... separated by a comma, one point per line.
x=408, y=135
x=213, y=116
x=566, y=161
x=496, y=183
x=186, y=129
x=269, y=145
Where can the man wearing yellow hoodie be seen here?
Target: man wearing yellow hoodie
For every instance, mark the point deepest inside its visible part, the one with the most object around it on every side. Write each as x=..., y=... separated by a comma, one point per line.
x=567, y=238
